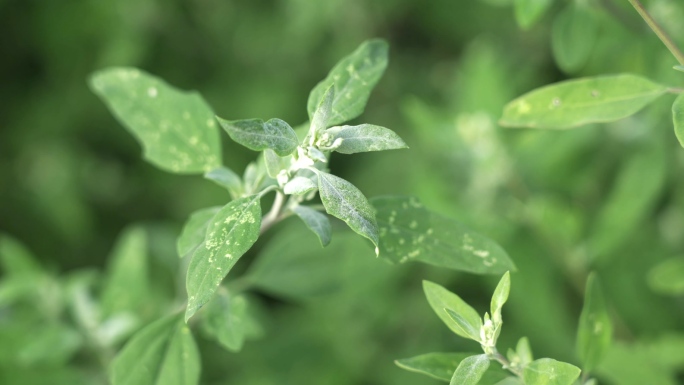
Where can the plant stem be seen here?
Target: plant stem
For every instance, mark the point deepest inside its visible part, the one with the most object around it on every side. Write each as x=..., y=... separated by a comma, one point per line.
x=669, y=43
x=272, y=217
x=505, y=363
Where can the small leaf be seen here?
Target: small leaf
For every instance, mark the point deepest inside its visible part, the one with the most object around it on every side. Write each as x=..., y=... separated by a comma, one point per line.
x=323, y=113
x=364, y=138
x=16, y=260
x=595, y=330
x=344, y=201
x=163, y=353
x=441, y=366
x=575, y=30
x=274, y=163
x=547, y=371
x=524, y=351
x=667, y=277
x=226, y=178
x=678, y=117
x=299, y=185
x=410, y=232
x=258, y=135
x=227, y=320
x=353, y=79
x=500, y=297
x=528, y=12
x=470, y=370
x=195, y=230
x=176, y=129
x=679, y=68
x=126, y=283
x=467, y=323
x=578, y=102
x=316, y=222
x=232, y=231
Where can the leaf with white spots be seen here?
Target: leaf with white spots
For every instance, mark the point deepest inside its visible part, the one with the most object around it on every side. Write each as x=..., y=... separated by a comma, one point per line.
x=176, y=129
x=258, y=135
x=410, y=232
x=343, y=200
x=225, y=177
x=227, y=320
x=470, y=370
x=195, y=230
x=163, y=353
x=353, y=77
x=299, y=185
x=231, y=232
x=578, y=102
x=462, y=319
x=595, y=330
x=547, y=371
x=316, y=222
x=364, y=138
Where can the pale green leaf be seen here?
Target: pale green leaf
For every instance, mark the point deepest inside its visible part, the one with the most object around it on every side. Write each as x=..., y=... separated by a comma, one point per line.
x=578, y=102
x=668, y=277
x=353, y=78
x=441, y=366
x=176, y=129
x=227, y=320
x=195, y=230
x=595, y=330
x=231, y=232
x=636, y=365
x=364, y=138
x=343, y=200
x=470, y=370
x=500, y=297
x=678, y=117
x=258, y=135
x=163, y=353
x=16, y=260
x=299, y=185
x=227, y=179
x=316, y=222
x=410, y=232
x=575, y=30
x=275, y=163
x=524, y=351
x=467, y=322
x=679, y=68
x=547, y=371
x=323, y=112
x=126, y=282
x=528, y=12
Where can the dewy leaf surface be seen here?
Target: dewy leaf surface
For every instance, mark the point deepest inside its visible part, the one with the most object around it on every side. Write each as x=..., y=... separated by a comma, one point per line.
x=316, y=222
x=595, y=329
x=353, y=78
x=574, y=103
x=176, y=129
x=232, y=231
x=364, y=138
x=195, y=230
x=469, y=322
x=410, y=232
x=163, y=353
x=258, y=135
x=470, y=370
x=547, y=371
x=343, y=200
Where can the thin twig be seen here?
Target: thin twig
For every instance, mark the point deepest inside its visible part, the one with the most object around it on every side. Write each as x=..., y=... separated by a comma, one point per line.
x=664, y=37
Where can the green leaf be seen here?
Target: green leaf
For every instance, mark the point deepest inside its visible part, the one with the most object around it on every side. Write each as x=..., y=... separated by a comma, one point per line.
x=364, y=138
x=227, y=320
x=163, y=353
x=575, y=31
x=410, y=232
x=678, y=117
x=464, y=321
x=595, y=330
x=195, y=230
x=578, y=102
x=441, y=366
x=679, y=68
x=232, y=231
x=528, y=12
x=524, y=351
x=176, y=129
x=226, y=178
x=344, y=201
x=500, y=297
x=316, y=222
x=353, y=78
x=274, y=163
x=126, y=283
x=668, y=277
x=470, y=370
x=258, y=135
x=547, y=371
x=299, y=185
x=15, y=259
x=323, y=113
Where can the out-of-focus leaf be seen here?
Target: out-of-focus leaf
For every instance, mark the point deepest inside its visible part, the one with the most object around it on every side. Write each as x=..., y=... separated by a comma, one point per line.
x=595, y=329
x=546, y=371
x=470, y=370
x=678, y=117
x=49, y=344
x=227, y=320
x=442, y=366
x=635, y=365
x=668, y=277
x=258, y=135
x=364, y=138
x=15, y=259
x=195, y=230
x=176, y=129
x=126, y=282
x=528, y=12
x=462, y=318
x=578, y=102
x=575, y=31
x=316, y=222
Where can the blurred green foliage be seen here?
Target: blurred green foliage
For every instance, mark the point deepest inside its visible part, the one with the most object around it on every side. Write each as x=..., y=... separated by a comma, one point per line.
x=607, y=198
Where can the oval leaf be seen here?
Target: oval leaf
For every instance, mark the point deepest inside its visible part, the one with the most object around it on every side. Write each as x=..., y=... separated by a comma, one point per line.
x=299, y=185
x=364, y=138
x=466, y=323
x=575, y=31
x=409, y=232
x=227, y=320
x=232, y=231
x=176, y=129
x=500, y=297
x=353, y=79
x=470, y=370
x=258, y=135
x=225, y=177
x=195, y=230
x=547, y=371
x=678, y=117
x=595, y=330
x=316, y=222
x=668, y=277
x=577, y=102
x=125, y=286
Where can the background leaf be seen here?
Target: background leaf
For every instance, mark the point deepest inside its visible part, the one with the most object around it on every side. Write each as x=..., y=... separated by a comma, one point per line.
x=227, y=320
x=528, y=12
x=595, y=330
x=678, y=117
x=176, y=129
x=574, y=34
x=667, y=277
